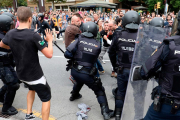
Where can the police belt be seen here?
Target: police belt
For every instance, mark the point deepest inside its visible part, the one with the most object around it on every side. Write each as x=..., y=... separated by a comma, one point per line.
x=175, y=103
x=82, y=69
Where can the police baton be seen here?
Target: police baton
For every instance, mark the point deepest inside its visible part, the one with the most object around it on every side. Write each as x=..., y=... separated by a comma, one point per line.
x=58, y=47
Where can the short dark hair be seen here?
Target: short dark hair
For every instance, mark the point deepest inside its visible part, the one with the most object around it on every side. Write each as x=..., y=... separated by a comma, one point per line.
x=118, y=20
x=24, y=13
x=77, y=15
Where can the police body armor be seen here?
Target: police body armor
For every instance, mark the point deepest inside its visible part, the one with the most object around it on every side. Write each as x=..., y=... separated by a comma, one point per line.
x=87, y=51
x=126, y=44
x=5, y=55
x=170, y=72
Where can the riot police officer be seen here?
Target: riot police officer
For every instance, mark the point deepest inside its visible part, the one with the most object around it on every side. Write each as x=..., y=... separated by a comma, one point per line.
x=84, y=51
x=7, y=72
x=155, y=31
x=123, y=45
x=166, y=95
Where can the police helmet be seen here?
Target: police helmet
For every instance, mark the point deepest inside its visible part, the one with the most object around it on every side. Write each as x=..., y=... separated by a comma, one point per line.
x=131, y=20
x=8, y=14
x=6, y=23
x=90, y=29
x=41, y=15
x=157, y=22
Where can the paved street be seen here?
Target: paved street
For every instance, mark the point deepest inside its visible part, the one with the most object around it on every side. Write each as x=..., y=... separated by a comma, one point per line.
x=58, y=79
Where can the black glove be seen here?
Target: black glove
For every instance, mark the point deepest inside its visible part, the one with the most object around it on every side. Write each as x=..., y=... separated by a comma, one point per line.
x=69, y=65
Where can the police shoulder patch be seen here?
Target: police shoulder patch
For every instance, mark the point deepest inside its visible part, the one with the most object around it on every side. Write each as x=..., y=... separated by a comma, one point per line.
x=154, y=52
x=41, y=43
x=72, y=41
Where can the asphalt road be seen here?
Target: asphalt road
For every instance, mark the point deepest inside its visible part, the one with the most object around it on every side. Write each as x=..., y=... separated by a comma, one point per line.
x=58, y=79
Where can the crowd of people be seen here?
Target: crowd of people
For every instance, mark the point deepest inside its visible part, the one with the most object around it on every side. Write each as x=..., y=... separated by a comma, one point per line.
x=88, y=36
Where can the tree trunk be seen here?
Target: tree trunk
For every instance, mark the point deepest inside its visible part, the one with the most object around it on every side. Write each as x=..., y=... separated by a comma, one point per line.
x=53, y=5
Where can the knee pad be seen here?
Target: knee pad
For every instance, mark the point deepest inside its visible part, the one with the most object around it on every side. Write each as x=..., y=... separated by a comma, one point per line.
x=100, y=93
x=119, y=98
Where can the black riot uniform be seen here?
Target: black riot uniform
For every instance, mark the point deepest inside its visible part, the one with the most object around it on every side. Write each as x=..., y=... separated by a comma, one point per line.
x=43, y=25
x=84, y=52
x=166, y=95
x=122, y=49
x=154, y=31
x=7, y=73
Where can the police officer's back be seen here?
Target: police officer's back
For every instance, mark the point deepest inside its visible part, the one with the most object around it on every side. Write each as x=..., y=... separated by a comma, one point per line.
x=166, y=95
x=84, y=52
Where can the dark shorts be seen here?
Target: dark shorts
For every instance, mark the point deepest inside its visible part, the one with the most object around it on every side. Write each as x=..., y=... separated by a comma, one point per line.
x=43, y=91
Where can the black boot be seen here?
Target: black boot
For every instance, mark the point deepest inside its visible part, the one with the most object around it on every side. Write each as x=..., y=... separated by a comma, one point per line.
x=118, y=112
x=2, y=93
x=107, y=114
x=75, y=96
x=10, y=111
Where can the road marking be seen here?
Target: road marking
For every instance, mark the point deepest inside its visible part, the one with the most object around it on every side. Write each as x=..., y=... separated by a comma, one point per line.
x=63, y=57
x=36, y=113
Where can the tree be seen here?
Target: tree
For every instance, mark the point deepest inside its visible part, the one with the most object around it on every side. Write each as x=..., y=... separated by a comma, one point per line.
x=22, y=2
x=6, y=3
x=9, y=3
x=151, y=4
x=56, y=1
x=174, y=5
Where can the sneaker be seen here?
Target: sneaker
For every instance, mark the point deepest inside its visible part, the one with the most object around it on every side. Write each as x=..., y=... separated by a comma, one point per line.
x=113, y=74
x=104, y=62
x=101, y=72
x=30, y=117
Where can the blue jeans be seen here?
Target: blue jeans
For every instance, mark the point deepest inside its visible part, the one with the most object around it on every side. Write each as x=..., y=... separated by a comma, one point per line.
x=164, y=114
x=99, y=67
x=122, y=81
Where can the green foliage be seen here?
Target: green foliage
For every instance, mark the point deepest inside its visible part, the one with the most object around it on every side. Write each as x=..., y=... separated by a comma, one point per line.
x=174, y=5
x=9, y=3
x=151, y=4
x=22, y=2
x=6, y=3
